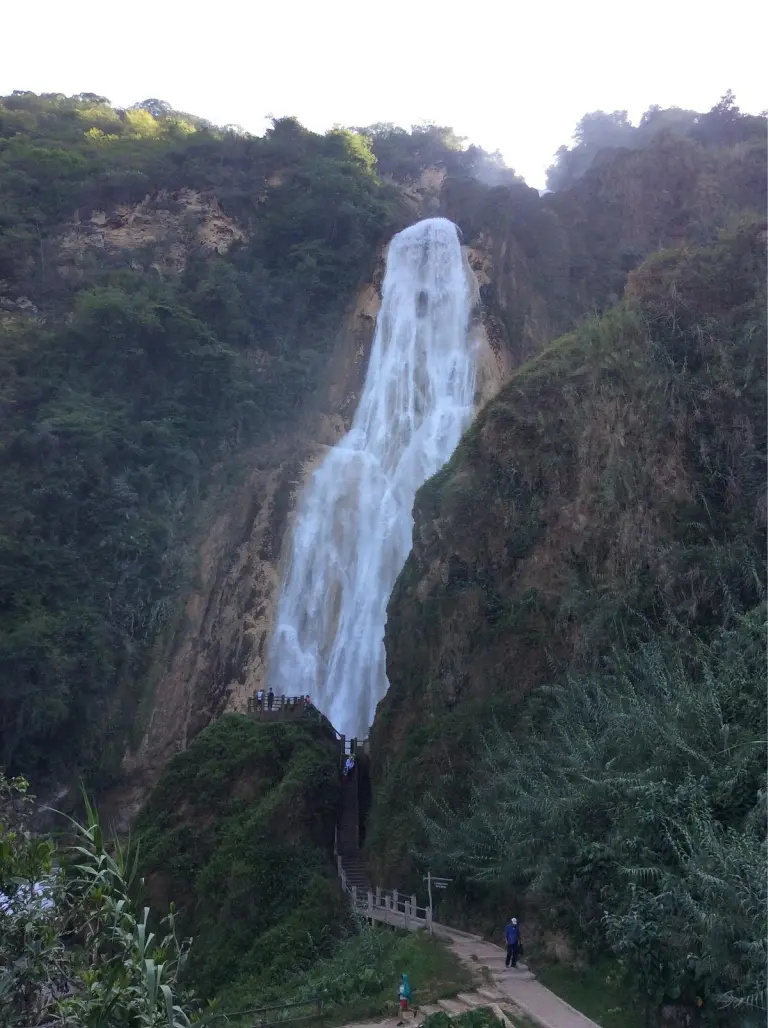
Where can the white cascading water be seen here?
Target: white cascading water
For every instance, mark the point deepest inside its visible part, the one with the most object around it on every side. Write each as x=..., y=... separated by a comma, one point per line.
x=353, y=525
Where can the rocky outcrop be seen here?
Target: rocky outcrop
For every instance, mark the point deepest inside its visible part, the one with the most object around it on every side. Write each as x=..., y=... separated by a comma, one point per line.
x=159, y=233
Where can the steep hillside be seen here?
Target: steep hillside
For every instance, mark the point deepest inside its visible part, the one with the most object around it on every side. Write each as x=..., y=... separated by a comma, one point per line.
x=171, y=301
x=616, y=481
x=185, y=316
x=545, y=262
x=238, y=833
x=575, y=725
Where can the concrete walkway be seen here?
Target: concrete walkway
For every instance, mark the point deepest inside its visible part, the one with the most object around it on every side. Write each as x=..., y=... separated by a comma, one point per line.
x=509, y=992
x=506, y=987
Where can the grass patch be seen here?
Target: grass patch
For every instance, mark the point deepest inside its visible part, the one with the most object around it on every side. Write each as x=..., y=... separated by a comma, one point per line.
x=595, y=990
x=361, y=978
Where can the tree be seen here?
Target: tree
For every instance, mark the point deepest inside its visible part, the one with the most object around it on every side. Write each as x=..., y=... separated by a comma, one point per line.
x=157, y=108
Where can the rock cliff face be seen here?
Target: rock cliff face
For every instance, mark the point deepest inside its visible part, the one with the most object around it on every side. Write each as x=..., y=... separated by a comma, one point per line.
x=216, y=658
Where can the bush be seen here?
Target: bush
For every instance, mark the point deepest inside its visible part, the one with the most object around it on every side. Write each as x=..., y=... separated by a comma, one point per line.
x=76, y=949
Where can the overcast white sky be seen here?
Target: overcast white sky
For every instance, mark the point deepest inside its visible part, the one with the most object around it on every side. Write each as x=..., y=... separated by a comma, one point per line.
x=513, y=77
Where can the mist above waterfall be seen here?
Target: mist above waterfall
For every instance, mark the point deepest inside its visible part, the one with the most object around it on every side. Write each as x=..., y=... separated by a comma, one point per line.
x=353, y=525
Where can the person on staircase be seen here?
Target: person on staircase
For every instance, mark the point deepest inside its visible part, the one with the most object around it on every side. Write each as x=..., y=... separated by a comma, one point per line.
x=349, y=765
x=514, y=943
x=270, y=699
x=405, y=996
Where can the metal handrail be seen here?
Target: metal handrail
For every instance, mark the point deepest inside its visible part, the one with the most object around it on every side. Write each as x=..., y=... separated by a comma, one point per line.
x=316, y=1003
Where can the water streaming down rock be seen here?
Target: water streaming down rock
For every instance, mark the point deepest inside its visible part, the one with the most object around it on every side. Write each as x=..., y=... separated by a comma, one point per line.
x=353, y=525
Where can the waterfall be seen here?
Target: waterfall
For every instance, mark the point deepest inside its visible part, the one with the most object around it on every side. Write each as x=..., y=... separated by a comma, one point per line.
x=353, y=525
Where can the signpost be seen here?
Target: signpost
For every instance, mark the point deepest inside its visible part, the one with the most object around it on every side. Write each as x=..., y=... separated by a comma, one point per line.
x=438, y=883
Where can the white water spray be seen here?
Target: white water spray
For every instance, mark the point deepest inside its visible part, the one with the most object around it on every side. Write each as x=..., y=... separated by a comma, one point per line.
x=353, y=526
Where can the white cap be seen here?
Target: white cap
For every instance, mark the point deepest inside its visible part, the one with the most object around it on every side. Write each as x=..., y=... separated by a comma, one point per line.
x=514, y=920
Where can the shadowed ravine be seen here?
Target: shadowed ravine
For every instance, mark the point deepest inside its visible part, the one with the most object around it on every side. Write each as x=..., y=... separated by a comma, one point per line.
x=353, y=525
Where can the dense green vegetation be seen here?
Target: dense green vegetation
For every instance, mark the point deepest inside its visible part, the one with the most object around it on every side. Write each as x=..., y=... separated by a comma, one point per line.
x=598, y=133
x=567, y=254
x=483, y=1017
x=126, y=378
x=360, y=977
x=77, y=947
x=238, y=833
x=403, y=155
x=634, y=812
x=624, y=802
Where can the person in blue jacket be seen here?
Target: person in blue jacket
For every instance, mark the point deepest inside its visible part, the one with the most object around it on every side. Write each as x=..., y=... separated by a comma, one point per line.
x=512, y=935
x=405, y=996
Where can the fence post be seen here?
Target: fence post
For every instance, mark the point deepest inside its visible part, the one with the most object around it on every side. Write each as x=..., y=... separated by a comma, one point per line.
x=378, y=896
x=370, y=904
x=396, y=901
x=354, y=896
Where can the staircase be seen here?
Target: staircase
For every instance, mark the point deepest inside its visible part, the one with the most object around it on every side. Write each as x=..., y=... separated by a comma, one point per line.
x=348, y=858
x=513, y=994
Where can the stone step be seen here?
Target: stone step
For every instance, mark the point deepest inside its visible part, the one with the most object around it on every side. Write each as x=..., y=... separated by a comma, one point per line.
x=513, y=974
x=471, y=999
x=494, y=995
x=500, y=962
x=454, y=1007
